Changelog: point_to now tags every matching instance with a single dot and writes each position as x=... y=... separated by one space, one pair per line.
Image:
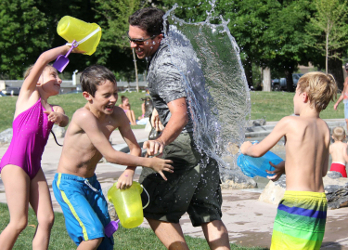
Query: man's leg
x=347 y=124
x=216 y=235
x=170 y=234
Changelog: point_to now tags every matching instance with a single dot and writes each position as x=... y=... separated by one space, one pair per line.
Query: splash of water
x=208 y=59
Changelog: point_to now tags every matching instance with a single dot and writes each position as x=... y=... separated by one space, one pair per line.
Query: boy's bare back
x=338 y=152
x=307 y=136
x=80 y=155
x=307 y=154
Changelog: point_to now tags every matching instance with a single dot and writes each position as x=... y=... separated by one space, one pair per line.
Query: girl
x=20 y=167
x=125 y=105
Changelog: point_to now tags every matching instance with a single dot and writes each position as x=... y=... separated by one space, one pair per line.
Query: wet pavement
x=248 y=220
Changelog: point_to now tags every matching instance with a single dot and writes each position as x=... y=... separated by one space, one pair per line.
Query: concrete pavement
x=249 y=221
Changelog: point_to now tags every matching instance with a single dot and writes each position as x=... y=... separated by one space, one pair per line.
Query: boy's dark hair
x=93 y=76
x=149 y=19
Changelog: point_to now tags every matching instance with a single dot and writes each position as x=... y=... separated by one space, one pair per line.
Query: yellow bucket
x=128 y=205
x=87 y=35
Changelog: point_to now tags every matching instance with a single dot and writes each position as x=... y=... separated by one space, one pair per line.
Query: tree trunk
x=135 y=69
x=289 y=81
x=266 y=86
x=248 y=72
x=335 y=68
x=327 y=50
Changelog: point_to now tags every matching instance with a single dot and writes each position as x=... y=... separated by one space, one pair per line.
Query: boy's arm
x=126 y=178
x=259 y=149
x=345 y=155
x=90 y=125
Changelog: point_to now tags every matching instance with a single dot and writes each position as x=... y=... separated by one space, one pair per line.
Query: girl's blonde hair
x=28 y=70
x=338 y=134
x=320 y=87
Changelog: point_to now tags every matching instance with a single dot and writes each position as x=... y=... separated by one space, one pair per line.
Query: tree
x=285 y=40
x=328 y=28
x=115 y=46
x=22 y=38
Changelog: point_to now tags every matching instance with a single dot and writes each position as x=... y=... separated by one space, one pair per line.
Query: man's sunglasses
x=139 y=41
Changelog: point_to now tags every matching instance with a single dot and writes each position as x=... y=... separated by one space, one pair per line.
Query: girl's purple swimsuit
x=31 y=129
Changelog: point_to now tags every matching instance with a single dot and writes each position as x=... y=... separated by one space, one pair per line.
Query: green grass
x=69 y=102
x=271 y=106
x=125 y=239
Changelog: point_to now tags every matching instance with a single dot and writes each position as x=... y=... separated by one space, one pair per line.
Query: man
x=344 y=97
x=191 y=188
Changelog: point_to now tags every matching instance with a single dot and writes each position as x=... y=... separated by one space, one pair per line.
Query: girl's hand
x=55 y=117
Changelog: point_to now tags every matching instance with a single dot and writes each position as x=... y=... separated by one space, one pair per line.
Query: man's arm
x=176 y=123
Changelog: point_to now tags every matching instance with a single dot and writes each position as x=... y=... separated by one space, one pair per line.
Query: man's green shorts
x=192 y=188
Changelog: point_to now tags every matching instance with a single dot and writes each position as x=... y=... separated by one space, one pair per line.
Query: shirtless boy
x=301 y=216
x=338 y=151
x=75 y=185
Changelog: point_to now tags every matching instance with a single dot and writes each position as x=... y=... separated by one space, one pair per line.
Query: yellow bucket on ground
x=128 y=205
x=86 y=34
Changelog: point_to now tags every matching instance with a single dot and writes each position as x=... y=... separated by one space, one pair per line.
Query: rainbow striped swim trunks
x=300 y=221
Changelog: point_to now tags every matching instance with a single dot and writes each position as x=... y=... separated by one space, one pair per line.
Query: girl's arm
x=58 y=116
x=29 y=84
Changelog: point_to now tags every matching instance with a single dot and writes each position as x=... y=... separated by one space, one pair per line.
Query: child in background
x=338 y=151
x=125 y=105
x=75 y=186
x=301 y=217
x=20 y=167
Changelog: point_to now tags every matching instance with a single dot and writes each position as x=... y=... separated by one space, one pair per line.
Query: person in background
x=125 y=105
x=338 y=151
x=344 y=97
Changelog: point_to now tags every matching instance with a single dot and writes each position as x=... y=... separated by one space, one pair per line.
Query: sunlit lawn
x=125 y=239
x=271 y=106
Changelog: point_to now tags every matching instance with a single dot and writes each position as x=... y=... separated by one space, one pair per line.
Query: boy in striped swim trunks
x=301 y=217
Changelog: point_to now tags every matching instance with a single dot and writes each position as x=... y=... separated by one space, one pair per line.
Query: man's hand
x=154 y=147
x=155 y=121
x=335 y=106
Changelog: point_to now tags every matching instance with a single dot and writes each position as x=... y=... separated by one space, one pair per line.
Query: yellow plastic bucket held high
x=87 y=35
x=128 y=205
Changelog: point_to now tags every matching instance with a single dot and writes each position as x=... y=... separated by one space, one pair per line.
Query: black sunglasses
x=139 y=41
